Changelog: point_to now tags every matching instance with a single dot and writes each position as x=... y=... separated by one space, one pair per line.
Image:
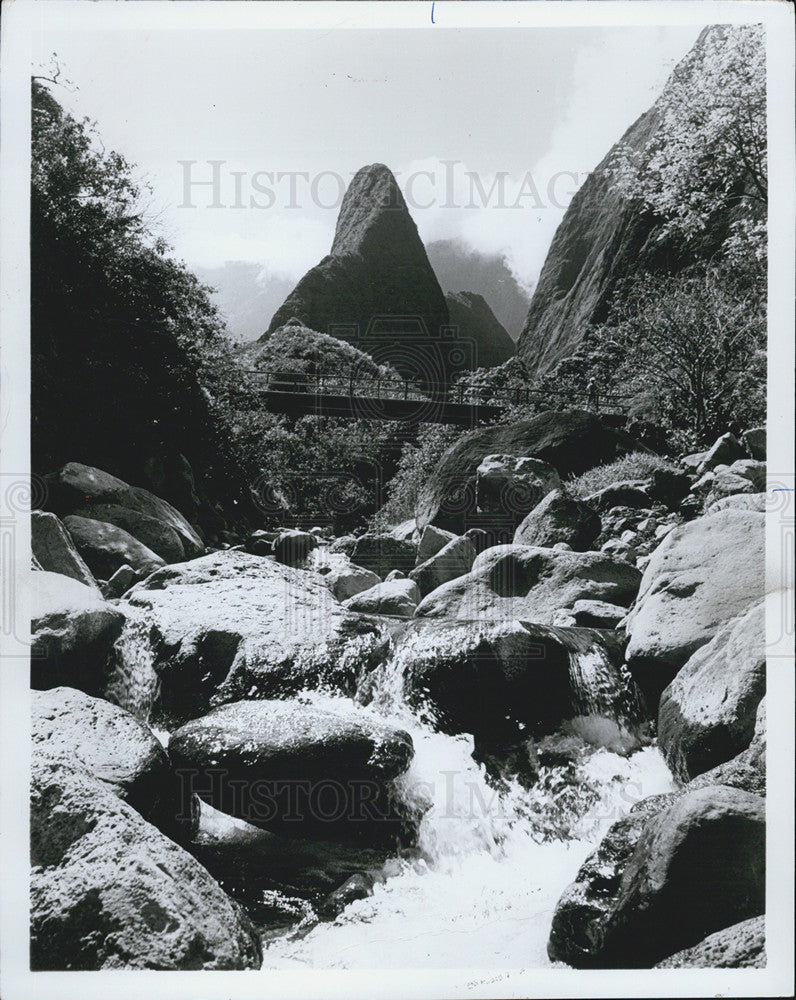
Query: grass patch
x=636 y=465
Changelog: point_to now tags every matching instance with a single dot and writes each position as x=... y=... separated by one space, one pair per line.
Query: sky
x=490 y=131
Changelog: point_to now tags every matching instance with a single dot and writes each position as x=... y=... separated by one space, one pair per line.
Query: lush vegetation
x=636 y=465
x=129 y=358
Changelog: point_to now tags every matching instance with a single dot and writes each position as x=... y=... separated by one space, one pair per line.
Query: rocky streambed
x=434 y=746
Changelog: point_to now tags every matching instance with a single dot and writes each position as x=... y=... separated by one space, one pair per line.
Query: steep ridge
x=376 y=288
x=603 y=240
x=484 y=339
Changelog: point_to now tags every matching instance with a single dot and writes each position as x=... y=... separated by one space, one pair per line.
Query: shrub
x=636 y=465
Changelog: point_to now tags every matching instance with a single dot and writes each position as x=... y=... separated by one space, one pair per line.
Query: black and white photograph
x=397 y=530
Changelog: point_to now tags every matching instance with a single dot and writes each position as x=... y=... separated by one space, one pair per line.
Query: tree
x=691 y=345
x=129 y=356
x=708 y=154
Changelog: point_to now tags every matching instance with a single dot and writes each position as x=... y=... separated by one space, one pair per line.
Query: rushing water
x=490 y=864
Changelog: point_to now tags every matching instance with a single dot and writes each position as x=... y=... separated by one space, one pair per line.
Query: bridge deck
x=420 y=411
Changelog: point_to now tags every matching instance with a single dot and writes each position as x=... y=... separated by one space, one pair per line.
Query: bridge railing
x=355 y=384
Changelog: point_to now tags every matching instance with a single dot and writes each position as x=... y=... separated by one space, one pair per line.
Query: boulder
x=346 y=581
x=431 y=541
x=105 y=547
x=231 y=625
x=398 y=598
x=571 y=441
x=703 y=573
x=122 y=580
x=54 y=550
x=747 y=771
x=620 y=550
x=754 y=441
x=156 y=535
x=109 y=891
x=395 y=574
x=511 y=485
x=743 y=476
x=290 y=766
x=740 y=501
x=742 y=946
x=73 y=630
x=260 y=542
x=530 y=583
x=451 y=562
x=291 y=548
x=597 y=614
x=479 y=537
x=669 y=487
x=559 y=517
x=697 y=865
x=630 y=493
x=723 y=451
x=707 y=714
x=494 y=679
x=78 y=486
x=111 y=744
x=382 y=553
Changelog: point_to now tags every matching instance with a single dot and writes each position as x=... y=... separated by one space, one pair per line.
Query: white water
x=492 y=868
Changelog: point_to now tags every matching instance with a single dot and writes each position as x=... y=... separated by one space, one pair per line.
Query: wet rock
x=492 y=679
x=291 y=548
x=513 y=485
x=109 y=891
x=530 y=583
x=707 y=714
x=742 y=946
x=452 y=561
x=358 y=886
x=704 y=573
x=294 y=767
x=80 y=486
x=112 y=745
x=231 y=625
x=394 y=597
x=106 y=548
x=72 y=630
x=559 y=517
x=54 y=550
x=382 y=553
x=697 y=866
x=349 y=580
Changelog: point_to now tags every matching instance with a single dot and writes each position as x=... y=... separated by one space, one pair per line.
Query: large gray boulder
x=73 y=631
x=109 y=891
x=754 y=441
x=747 y=771
x=742 y=946
x=348 y=580
x=451 y=562
x=704 y=573
x=560 y=517
x=431 y=541
x=54 y=550
x=106 y=548
x=697 y=866
x=398 y=598
x=231 y=625
x=111 y=744
x=530 y=584
x=382 y=553
x=156 y=535
x=511 y=485
x=494 y=679
x=707 y=714
x=292 y=547
x=723 y=451
x=295 y=767
x=739 y=501
x=80 y=486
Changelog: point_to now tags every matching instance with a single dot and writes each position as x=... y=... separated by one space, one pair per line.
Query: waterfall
x=132 y=681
